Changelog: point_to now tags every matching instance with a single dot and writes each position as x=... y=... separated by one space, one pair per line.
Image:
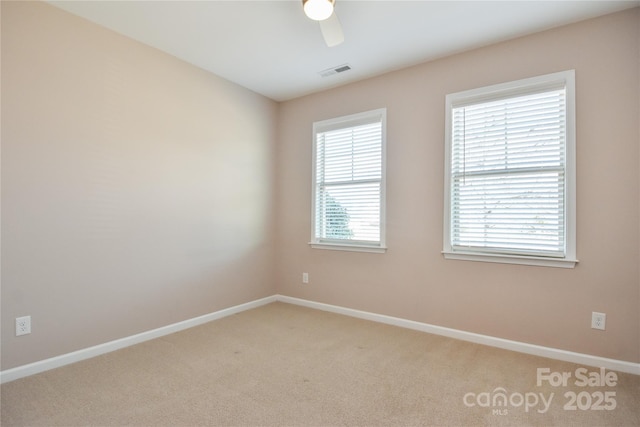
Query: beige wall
x=545 y=306
x=136 y=189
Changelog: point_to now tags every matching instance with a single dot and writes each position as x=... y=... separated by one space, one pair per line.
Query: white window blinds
x=349 y=180
x=508 y=169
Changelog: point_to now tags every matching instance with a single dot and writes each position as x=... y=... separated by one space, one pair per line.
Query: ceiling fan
x=323 y=12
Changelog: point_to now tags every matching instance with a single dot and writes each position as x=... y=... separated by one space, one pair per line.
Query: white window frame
x=343 y=123
x=501 y=91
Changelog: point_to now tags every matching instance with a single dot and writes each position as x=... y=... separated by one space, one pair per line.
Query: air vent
x=335 y=70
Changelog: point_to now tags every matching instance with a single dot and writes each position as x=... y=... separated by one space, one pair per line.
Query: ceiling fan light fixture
x=318 y=10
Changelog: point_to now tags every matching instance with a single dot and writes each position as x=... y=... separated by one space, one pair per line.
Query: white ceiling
x=272 y=48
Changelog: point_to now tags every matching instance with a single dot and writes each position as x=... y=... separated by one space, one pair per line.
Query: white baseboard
x=86 y=353
x=552 y=353
x=521 y=347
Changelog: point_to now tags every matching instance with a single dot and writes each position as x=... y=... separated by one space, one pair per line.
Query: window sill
x=350 y=248
x=512 y=259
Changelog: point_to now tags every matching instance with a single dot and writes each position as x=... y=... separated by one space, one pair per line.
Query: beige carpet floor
x=284 y=365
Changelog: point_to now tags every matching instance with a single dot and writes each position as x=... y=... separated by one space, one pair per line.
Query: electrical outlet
x=23 y=325
x=305 y=277
x=598 y=320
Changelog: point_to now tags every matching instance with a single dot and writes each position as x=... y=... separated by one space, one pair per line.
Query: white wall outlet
x=598 y=320
x=23 y=325
x=305 y=277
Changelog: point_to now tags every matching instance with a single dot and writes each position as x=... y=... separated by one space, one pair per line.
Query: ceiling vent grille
x=335 y=70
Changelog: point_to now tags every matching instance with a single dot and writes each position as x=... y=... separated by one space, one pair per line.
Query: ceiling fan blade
x=332 y=30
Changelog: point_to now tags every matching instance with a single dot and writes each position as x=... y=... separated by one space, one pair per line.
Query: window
x=510 y=172
x=349 y=182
